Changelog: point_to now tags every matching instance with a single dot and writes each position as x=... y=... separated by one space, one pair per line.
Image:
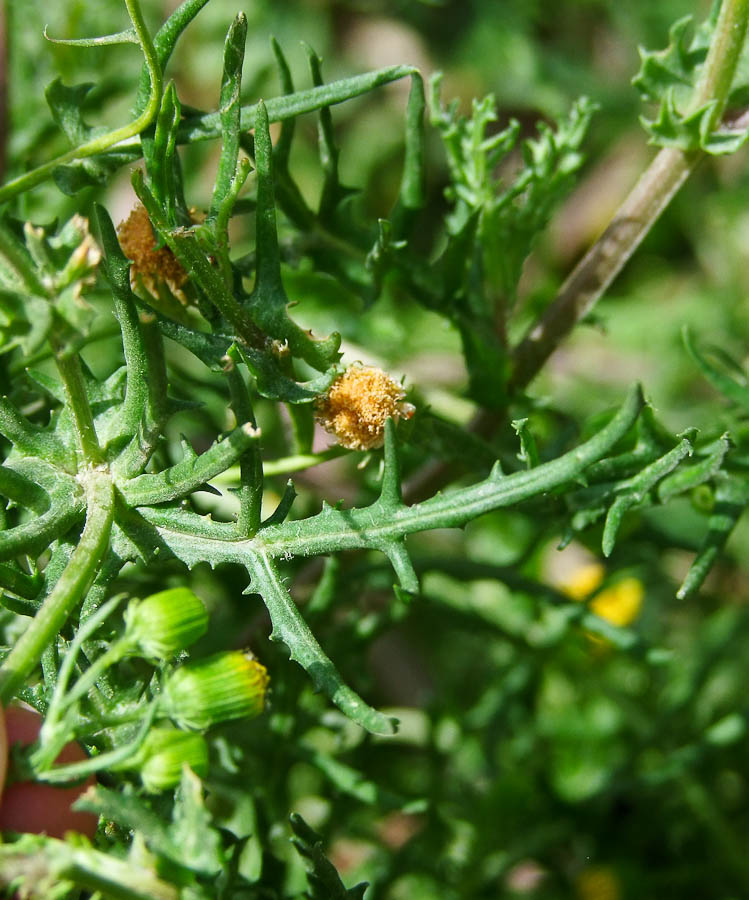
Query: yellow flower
x=584 y=581
x=619 y=604
x=357 y=405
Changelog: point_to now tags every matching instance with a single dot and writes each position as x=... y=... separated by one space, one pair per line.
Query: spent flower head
x=357 y=405
x=151 y=265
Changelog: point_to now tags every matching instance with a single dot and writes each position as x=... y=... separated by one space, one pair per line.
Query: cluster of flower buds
x=196 y=695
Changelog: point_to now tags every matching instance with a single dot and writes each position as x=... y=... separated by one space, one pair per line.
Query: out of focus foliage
x=568 y=727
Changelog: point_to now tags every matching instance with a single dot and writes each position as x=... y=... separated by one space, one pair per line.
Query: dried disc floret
x=151 y=265
x=357 y=405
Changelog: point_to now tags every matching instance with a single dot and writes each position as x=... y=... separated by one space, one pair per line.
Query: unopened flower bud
x=164 y=753
x=165 y=623
x=226 y=686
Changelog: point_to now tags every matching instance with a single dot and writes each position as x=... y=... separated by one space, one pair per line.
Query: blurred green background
x=534 y=760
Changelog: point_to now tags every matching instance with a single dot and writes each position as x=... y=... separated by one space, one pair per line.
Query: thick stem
x=70 y=588
x=636 y=216
x=603 y=262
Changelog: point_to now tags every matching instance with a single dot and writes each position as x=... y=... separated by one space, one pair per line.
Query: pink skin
x=28 y=806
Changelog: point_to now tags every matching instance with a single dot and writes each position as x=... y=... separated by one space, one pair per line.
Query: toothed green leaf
x=268 y=302
x=731 y=500
x=229 y=109
x=324 y=881
x=632 y=492
x=670 y=77
x=187 y=476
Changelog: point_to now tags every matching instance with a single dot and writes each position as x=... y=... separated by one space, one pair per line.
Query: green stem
x=285 y=465
x=722 y=57
x=109 y=760
x=379 y=525
x=69 y=367
x=39 y=859
x=223 y=216
x=206 y=127
x=70 y=588
x=104 y=141
x=250 y=463
x=53 y=736
x=639 y=211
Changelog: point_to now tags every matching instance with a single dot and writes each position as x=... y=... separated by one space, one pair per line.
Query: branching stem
x=639 y=211
x=70 y=588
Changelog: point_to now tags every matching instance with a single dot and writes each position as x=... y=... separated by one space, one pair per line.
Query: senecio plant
x=109 y=546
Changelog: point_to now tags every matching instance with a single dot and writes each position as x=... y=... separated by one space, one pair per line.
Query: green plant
x=105 y=501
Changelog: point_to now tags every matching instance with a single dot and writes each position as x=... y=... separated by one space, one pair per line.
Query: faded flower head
x=150 y=265
x=357 y=405
x=75 y=252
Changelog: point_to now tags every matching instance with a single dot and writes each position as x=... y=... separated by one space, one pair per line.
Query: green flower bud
x=226 y=686
x=164 y=753
x=165 y=623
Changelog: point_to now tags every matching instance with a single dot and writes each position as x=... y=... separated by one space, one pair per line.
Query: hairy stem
x=69 y=589
x=380 y=526
x=639 y=211
x=250 y=463
x=69 y=367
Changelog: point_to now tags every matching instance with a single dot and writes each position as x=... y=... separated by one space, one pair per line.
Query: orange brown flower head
x=150 y=265
x=357 y=405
